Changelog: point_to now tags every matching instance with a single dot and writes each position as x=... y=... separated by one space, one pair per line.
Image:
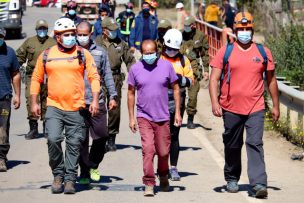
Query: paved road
x=201 y=161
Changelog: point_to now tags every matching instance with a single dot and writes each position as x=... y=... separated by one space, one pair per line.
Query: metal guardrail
x=291 y=98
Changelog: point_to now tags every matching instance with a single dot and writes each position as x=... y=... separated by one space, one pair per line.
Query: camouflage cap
x=41 y=23
x=189 y=20
x=109 y=23
x=2 y=31
x=164 y=24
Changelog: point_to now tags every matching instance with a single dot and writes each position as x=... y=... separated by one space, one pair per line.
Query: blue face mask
x=187 y=29
x=68 y=42
x=129 y=10
x=72 y=12
x=244 y=36
x=149 y=58
x=1 y=41
x=112 y=34
x=146 y=10
x=42 y=33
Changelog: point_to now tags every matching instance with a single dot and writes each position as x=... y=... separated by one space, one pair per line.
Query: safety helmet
x=63 y=25
x=173 y=39
x=243 y=20
x=154 y=4
x=164 y=23
x=41 y=23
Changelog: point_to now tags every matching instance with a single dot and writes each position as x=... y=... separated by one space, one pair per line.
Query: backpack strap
x=227 y=54
x=45 y=57
x=264 y=55
x=81 y=56
x=182 y=59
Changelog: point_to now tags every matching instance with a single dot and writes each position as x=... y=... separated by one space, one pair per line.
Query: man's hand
x=35 y=109
x=132 y=50
x=133 y=125
x=16 y=102
x=217 y=110
x=177 y=119
x=275 y=114
x=112 y=104
x=94 y=108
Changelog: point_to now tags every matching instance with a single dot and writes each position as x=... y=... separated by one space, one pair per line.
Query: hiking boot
x=174 y=176
x=3 y=167
x=260 y=191
x=232 y=186
x=84 y=181
x=111 y=147
x=33 y=133
x=190 y=124
x=164 y=184
x=69 y=188
x=94 y=175
x=149 y=191
x=57 y=185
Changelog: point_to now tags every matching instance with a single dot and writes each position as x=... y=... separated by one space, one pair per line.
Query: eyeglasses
x=170 y=49
x=82 y=35
x=69 y=34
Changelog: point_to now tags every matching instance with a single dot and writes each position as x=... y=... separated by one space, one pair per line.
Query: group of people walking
x=74 y=85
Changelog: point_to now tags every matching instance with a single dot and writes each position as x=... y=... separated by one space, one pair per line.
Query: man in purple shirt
x=152 y=77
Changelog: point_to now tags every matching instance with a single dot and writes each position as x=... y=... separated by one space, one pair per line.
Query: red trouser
x=155 y=139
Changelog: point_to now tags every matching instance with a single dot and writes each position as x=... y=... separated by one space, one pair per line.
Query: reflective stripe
x=127 y=31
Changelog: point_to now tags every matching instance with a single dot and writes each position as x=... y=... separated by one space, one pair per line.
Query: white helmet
x=179 y=5
x=173 y=39
x=63 y=25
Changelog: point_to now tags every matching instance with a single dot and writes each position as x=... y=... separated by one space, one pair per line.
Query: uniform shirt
x=152 y=82
x=31 y=49
x=8 y=65
x=244 y=94
x=65 y=79
x=103 y=67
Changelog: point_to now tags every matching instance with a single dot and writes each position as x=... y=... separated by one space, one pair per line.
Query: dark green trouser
x=192 y=101
x=72 y=122
x=43 y=97
x=5 y=113
x=114 y=115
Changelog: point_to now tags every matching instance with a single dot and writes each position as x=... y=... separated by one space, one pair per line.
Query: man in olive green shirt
x=195 y=47
x=118 y=52
x=29 y=52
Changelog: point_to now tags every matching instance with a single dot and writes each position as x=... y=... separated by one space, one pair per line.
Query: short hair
x=85 y=24
x=143 y=3
x=146 y=42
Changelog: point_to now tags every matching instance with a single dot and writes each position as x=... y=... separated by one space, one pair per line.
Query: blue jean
x=73 y=123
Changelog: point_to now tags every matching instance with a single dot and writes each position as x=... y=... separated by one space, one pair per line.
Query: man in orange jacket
x=65 y=65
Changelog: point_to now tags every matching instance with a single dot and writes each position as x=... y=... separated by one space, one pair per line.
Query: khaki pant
x=192 y=101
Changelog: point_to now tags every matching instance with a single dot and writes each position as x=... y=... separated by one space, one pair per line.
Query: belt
x=5 y=98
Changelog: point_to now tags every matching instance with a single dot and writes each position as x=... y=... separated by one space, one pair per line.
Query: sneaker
x=260 y=191
x=69 y=188
x=149 y=191
x=174 y=176
x=164 y=184
x=232 y=186
x=94 y=174
x=84 y=181
x=57 y=185
x=3 y=167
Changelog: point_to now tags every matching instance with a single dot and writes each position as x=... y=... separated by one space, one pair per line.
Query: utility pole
x=192 y=7
x=139 y=4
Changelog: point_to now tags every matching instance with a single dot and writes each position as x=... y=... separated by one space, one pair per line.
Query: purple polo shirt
x=152 y=83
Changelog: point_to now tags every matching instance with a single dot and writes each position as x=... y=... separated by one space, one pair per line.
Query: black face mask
x=146 y=11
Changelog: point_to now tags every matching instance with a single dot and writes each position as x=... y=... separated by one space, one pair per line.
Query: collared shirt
x=103 y=67
x=8 y=65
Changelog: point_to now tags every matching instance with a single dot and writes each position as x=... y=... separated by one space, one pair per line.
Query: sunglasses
x=82 y=35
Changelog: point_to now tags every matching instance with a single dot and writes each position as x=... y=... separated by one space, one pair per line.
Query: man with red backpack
x=240 y=68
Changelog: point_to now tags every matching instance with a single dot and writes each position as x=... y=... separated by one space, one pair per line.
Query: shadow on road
x=189 y=148
x=157 y=189
x=123 y=146
x=197 y=125
x=186 y=174
x=40 y=135
x=13 y=163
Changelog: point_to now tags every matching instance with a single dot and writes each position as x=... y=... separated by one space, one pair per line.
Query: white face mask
x=83 y=40
x=244 y=36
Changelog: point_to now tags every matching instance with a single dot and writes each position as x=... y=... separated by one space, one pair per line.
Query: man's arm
x=274 y=93
x=213 y=86
x=128 y=57
x=16 y=80
x=21 y=53
x=176 y=95
x=131 y=104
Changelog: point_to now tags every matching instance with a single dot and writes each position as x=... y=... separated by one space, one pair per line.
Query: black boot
x=111 y=147
x=190 y=124
x=33 y=133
